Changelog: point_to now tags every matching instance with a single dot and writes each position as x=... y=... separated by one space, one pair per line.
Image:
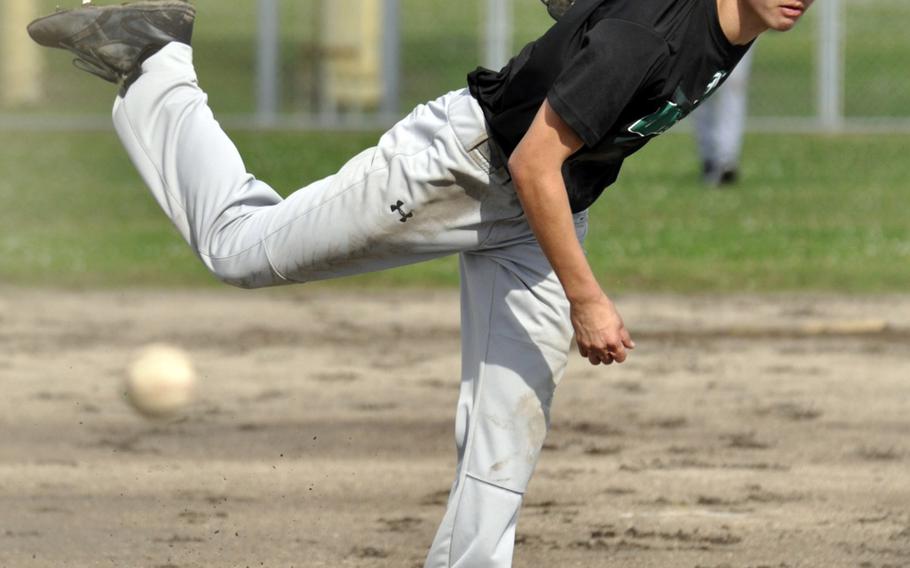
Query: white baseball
x=160 y=381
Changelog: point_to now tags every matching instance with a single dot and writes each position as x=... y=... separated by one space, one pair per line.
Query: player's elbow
x=529 y=172
x=521 y=168
x=516 y=166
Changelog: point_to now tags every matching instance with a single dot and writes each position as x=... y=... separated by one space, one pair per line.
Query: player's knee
x=243 y=276
x=236 y=280
x=247 y=268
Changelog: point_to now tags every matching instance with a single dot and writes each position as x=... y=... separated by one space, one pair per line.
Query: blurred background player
x=720 y=124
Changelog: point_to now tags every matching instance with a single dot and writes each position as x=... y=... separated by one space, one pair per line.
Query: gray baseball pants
x=431 y=187
x=721 y=120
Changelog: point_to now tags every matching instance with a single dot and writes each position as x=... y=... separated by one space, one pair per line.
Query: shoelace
x=96 y=70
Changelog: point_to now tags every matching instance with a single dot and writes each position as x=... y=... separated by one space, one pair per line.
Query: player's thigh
x=517 y=336
x=418 y=194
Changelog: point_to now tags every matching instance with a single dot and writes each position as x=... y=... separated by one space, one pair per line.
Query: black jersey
x=618 y=72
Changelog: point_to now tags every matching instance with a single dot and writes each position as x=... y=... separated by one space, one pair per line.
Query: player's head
x=780 y=15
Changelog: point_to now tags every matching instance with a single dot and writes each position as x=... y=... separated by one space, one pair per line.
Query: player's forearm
x=543 y=196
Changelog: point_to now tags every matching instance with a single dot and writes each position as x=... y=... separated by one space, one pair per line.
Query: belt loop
x=499 y=163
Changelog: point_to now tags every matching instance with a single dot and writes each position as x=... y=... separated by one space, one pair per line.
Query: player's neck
x=740 y=23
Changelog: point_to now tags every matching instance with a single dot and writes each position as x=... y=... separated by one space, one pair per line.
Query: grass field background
x=441 y=42
x=813 y=212
x=819 y=213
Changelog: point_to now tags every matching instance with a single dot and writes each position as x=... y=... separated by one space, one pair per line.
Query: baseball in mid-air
x=160 y=381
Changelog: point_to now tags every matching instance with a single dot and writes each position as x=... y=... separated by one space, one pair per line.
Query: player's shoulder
x=626 y=37
x=660 y=18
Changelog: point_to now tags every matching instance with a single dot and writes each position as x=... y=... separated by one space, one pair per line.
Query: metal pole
x=831 y=65
x=267 y=67
x=498 y=33
x=391 y=58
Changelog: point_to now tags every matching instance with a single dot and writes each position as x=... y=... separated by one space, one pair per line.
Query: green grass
x=813 y=213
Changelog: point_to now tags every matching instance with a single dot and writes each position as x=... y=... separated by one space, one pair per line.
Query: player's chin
x=783 y=23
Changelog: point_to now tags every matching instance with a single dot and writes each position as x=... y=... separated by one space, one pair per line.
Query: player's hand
x=601 y=335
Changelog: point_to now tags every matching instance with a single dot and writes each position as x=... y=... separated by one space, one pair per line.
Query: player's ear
x=558 y=8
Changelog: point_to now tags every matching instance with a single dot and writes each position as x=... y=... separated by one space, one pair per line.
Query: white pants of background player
x=429 y=188
x=721 y=120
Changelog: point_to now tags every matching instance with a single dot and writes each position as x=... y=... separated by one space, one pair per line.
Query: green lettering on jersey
x=658 y=122
x=673 y=111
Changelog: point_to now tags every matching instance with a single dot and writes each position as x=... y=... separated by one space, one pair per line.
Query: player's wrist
x=585 y=293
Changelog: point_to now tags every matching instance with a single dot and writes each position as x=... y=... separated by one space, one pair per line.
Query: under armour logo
x=405 y=215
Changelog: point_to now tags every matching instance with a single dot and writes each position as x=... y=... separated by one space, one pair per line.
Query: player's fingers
x=582 y=350
x=627 y=339
x=594 y=358
x=617 y=352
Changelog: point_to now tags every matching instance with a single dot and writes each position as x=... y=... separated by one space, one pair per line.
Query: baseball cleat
x=714 y=175
x=113 y=41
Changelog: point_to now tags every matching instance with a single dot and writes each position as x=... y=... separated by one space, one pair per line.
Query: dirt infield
x=744 y=432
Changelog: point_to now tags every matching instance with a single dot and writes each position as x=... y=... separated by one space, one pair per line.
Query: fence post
x=267 y=66
x=391 y=59
x=498 y=33
x=22 y=62
x=831 y=65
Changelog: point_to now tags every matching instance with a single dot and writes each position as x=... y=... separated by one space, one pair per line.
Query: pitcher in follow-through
x=501 y=173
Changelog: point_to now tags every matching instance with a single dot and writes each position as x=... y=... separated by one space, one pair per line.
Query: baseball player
x=719 y=127
x=500 y=173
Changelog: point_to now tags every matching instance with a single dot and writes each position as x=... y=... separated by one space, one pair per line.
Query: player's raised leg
x=423 y=191
x=418 y=194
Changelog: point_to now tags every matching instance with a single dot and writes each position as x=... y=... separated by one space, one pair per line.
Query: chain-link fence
x=359 y=63
x=868 y=86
